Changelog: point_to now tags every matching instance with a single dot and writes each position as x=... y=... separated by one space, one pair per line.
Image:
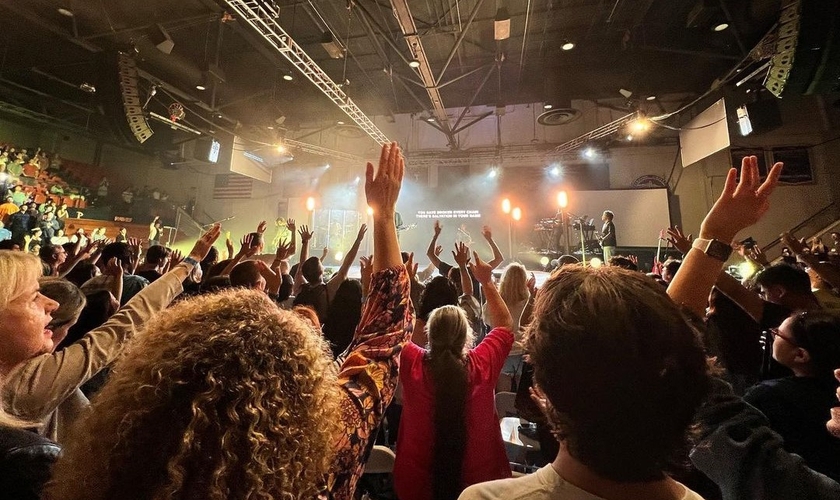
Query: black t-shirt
x=609 y=231
x=798 y=408
x=150 y=275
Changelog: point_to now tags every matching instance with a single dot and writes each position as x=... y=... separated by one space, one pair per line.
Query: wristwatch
x=190 y=260
x=713 y=248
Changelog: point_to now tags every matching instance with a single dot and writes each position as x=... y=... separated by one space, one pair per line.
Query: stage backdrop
x=639 y=213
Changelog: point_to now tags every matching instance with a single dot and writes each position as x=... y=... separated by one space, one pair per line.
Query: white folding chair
x=381 y=460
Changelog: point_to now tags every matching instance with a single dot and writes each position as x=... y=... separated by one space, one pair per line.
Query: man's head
x=784 y=285
x=53 y=255
x=312 y=270
x=607 y=216
x=157 y=255
x=119 y=250
x=669 y=269
x=9 y=199
x=622 y=370
x=247 y=275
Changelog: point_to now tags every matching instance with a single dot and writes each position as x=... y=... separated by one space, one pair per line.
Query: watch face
x=719 y=250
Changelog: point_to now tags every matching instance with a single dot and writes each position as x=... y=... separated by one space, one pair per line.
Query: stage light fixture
x=327 y=166
x=331 y=45
x=501 y=24
x=516 y=213
x=280 y=148
x=555 y=171
x=339 y=255
x=357 y=180
x=544 y=261
x=310 y=203
x=493 y=173
x=369 y=211
x=589 y=153
x=596 y=263
x=414 y=63
x=629 y=137
x=288 y=77
x=567 y=45
x=720 y=27
x=506 y=206
x=547 y=106
x=640 y=125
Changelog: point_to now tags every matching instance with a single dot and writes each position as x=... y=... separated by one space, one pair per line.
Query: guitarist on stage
x=607 y=238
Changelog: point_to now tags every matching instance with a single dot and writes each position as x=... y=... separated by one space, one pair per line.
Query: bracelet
x=190 y=260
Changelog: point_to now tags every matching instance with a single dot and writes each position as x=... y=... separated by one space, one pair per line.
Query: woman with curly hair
x=449 y=434
x=228 y=396
x=231 y=397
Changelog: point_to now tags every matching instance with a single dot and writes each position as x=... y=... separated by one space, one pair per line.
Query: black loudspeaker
x=807 y=56
x=131 y=98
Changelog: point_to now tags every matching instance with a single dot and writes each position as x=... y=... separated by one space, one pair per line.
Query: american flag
x=232 y=186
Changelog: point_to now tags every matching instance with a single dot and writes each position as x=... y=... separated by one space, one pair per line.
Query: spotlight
x=516 y=213
x=589 y=153
x=650 y=98
x=547 y=106
x=568 y=46
x=629 y=137
x=357 y=180
x=310 y=203
x=506 y=206
x=596 y=263
x=414 y=63
x=640 y=125
x=554 y=171
x=493 y=173
x=563 y=199
x=744 y=123
x=339 y=255
x=720 y=27
x=280 y=148
x=544 y=261
x=327 y=166
x=369 y=211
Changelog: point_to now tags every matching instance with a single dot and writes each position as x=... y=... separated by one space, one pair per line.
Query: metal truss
x=599 y=133
x=318 y=150
x=262 y=16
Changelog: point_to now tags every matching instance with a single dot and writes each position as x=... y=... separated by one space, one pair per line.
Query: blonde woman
x=43 y=386
x=514 y=290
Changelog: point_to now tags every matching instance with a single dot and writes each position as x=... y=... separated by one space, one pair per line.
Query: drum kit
x=548 y=234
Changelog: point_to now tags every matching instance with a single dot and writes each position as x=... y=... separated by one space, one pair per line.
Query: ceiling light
x=288 y=77
x=555 y=171
x=430 y=119
x=414 y=63
x=650 y=98
x=640 y=125
x=331 y=45
x=200 y=86
x=339 y=122
x=547 y=106
x=281 y=148
x=65 y=12
x=492 y=173
x=721 y=27
x=629 y=137
x=86 y=87
x=568 y=46
x=270 y=127
x=501 y=24
x=589 y=153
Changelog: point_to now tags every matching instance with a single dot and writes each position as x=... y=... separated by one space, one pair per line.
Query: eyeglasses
x=776 y=333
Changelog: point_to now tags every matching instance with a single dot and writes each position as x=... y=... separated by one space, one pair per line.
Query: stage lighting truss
x=262 y=17
x=599 y=133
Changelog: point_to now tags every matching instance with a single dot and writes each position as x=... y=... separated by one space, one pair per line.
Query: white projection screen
x=639 y=213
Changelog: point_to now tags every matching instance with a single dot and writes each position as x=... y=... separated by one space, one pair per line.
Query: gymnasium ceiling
x=647 y=47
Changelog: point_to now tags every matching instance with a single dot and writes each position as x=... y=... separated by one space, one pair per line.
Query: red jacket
x=484 y=458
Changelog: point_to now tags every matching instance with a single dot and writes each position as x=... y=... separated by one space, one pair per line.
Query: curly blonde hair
x=224 y=396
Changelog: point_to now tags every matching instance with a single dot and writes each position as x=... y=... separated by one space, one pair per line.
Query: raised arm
x=433 y=251
x=741 y=204
x=498 y=258
x=497 y=310
x=245 y=250
x=461 y=254
x=828 y=272
x=341 y=274
x=305 y=236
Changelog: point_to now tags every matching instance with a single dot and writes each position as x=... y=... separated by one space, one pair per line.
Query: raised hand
x=229 y=245
x=383 y=188
x=438 y=250
x=741 y=204
x=366 y=269
x=205 y=242
x=324 y=253
x=532 y=284
x=482 y=272
x=437 y=228
x=461 y=254
x=635 y=260
x=411 y=266
x=833 y=425
x=113 y=267
x=261 y=227
x=796 y=246
x=305 y=234
x=680 y=241
x=136 y=246
x=290 y=223
x=245 y=245
x=175 y=258
x=757 y=254
x=362 y=231
x=485 y=231
x=284 y=250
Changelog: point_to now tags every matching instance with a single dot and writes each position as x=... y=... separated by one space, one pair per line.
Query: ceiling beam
x=263 y=19
x=415 y=47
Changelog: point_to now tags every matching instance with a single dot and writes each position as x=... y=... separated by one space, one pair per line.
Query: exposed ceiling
x=650 y=47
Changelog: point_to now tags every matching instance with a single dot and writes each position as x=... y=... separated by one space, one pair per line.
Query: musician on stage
x=608 y=242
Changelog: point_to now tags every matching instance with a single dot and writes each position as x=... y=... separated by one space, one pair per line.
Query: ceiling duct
x=559 y=116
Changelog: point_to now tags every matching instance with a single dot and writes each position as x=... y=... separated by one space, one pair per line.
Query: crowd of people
x=145 y=374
